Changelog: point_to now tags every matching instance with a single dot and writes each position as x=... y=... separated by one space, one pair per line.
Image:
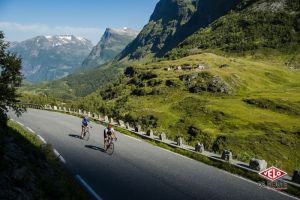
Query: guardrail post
x=54 y=107
x=179 y=141
x=296 y=176
x=106 y=118
x=150 y=133
x=258 y=165
x=89 y=114
x=163 y=137
x=199 y=147
x=227 y=156
x=111 y=120
x=137 y=128
x=127 y=125
x=121 y=123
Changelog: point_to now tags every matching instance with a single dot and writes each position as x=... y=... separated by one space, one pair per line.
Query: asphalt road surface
x=136 y=170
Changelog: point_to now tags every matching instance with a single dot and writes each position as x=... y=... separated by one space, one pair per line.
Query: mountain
x=112 y=43
x=171 y=22
x=51 y=57
x=252 y=25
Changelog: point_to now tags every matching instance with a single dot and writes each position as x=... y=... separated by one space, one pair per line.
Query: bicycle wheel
x=86 y=135
x=110 y=148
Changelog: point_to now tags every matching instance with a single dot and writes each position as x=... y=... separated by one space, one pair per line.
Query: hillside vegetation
x=249 y=105
x=273 y=24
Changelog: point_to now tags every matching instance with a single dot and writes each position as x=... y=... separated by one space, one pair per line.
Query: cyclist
x=84 y=125
x=109 y=132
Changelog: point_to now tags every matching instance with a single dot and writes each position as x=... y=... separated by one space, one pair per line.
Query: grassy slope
x=220 y=120
x=54 y=184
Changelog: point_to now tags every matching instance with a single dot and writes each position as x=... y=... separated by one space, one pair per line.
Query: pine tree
x=10 y=80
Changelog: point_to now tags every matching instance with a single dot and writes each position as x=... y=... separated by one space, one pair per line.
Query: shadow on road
x=75 y=136
x=94 y=148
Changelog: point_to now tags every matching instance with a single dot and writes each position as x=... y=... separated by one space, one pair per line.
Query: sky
x=24 y=19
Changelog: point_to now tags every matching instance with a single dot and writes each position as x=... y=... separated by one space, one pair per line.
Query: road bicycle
x=109 y=144
x=86 y=133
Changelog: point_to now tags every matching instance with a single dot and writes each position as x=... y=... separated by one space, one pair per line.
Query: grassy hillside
x=76 y=85
x=256 y=25
x=247 y=104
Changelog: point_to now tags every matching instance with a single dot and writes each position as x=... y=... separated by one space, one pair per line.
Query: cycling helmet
x=109 y=125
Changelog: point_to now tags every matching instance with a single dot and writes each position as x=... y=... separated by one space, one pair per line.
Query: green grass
x=218 y=120
x=47 y=184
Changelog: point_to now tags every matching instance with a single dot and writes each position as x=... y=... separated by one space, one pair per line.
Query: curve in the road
x=137 y=170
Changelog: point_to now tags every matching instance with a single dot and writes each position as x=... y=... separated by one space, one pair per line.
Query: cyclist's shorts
x=85 y=125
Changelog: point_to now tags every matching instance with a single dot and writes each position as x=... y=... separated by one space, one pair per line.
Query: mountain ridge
x=51 y=57
x=112 y=42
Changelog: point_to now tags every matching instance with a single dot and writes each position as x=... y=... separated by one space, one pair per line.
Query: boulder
x=201 y=67
x=106 y=118
x=227 y=155
x=54 y=107
x=258 y=165
x=296 y=176
x=224 y=66
x=163 y=137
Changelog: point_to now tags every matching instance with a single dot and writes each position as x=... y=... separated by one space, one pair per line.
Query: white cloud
x=91 y=33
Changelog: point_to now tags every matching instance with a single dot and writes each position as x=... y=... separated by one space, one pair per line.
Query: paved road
x=137 y=170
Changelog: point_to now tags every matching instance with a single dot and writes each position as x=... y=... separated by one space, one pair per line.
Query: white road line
x=30 y=129
x=132 y=137
x=91 y=191
x=62 y=159
x=42 y=139
x=56 y=152
x=177 y=154
x=59 y=156
x=20 y=123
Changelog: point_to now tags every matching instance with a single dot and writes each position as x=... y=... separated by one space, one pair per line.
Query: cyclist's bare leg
x=82 y=131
